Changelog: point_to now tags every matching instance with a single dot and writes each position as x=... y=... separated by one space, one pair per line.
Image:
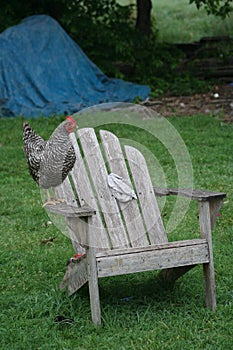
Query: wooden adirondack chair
x=121 y=238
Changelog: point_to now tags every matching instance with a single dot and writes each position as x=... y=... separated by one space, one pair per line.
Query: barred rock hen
x=50 y=161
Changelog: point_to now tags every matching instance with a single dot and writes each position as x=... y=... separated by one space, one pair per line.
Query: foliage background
x=106 y=31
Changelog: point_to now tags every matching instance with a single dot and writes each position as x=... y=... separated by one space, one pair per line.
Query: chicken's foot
x=53 y=201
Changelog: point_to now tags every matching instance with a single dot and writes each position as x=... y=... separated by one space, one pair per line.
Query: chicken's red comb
x=68 y=117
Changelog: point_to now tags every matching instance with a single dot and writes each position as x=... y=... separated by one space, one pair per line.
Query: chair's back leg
x=209 y=279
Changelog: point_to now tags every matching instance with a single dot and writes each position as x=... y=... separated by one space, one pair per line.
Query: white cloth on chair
x=120 y=189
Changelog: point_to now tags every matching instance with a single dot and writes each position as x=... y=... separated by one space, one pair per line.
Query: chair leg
x=93 y=286
x=172 y=274
x=209 y=280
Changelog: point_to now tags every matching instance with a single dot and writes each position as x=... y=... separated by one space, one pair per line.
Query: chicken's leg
x=52 y=200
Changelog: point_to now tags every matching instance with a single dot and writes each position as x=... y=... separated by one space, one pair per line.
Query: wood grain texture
x=209 y=278
x=130 y=211
x=86 y=196
x=167 y=245
x=215 y=206
x=145 y=193
x=199 y=195
x=75 y=276
x=98 y=173
x=93 y=279
x=65 y=191
x=156 y=259
x=70 y=211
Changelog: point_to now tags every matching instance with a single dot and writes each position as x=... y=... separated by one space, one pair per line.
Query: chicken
x=50 y=161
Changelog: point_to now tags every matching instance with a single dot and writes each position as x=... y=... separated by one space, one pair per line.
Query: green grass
x=154 y=317
x=179 y=22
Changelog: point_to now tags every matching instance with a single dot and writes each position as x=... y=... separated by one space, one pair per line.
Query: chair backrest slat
x=98 y=175
x=145 y=192
x=130 y=210
x=86 y=196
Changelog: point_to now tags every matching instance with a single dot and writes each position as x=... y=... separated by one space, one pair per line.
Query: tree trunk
x=143 y=22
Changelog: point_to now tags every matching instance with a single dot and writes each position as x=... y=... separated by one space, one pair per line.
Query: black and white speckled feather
x=49 y=162
x=33 y=148
x=57 y=160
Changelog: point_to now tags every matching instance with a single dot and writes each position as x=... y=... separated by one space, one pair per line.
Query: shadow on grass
x=134 y=294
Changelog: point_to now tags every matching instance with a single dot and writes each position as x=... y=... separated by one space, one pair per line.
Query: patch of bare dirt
x=217 y=102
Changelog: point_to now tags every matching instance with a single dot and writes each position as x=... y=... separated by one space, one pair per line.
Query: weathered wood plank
x=65 y=191
x=75 y=276
x=98 y=174
x=153 y=260
x=78 y=233
x=69 y=210
x=215 y=206
x=199 y=195
x=86 y=196
x=145 y=193
x=209 y=278
x=167 y=245
x=130 y=211
x=93 y=279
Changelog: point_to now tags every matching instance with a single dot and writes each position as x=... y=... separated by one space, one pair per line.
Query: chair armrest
x=198 y=195
x=69 y=210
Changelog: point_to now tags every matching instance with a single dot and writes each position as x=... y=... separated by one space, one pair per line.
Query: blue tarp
x=44 y=72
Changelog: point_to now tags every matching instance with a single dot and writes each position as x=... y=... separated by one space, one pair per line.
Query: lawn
x=180 y=22
x=177 y=21
x=138 y=313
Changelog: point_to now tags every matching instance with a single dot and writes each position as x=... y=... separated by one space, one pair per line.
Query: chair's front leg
x=205 y=228
x=93 y=280
x=215 y=206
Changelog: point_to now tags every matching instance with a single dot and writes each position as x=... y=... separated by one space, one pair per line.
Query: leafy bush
x=103 y=29
x=216 y=7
